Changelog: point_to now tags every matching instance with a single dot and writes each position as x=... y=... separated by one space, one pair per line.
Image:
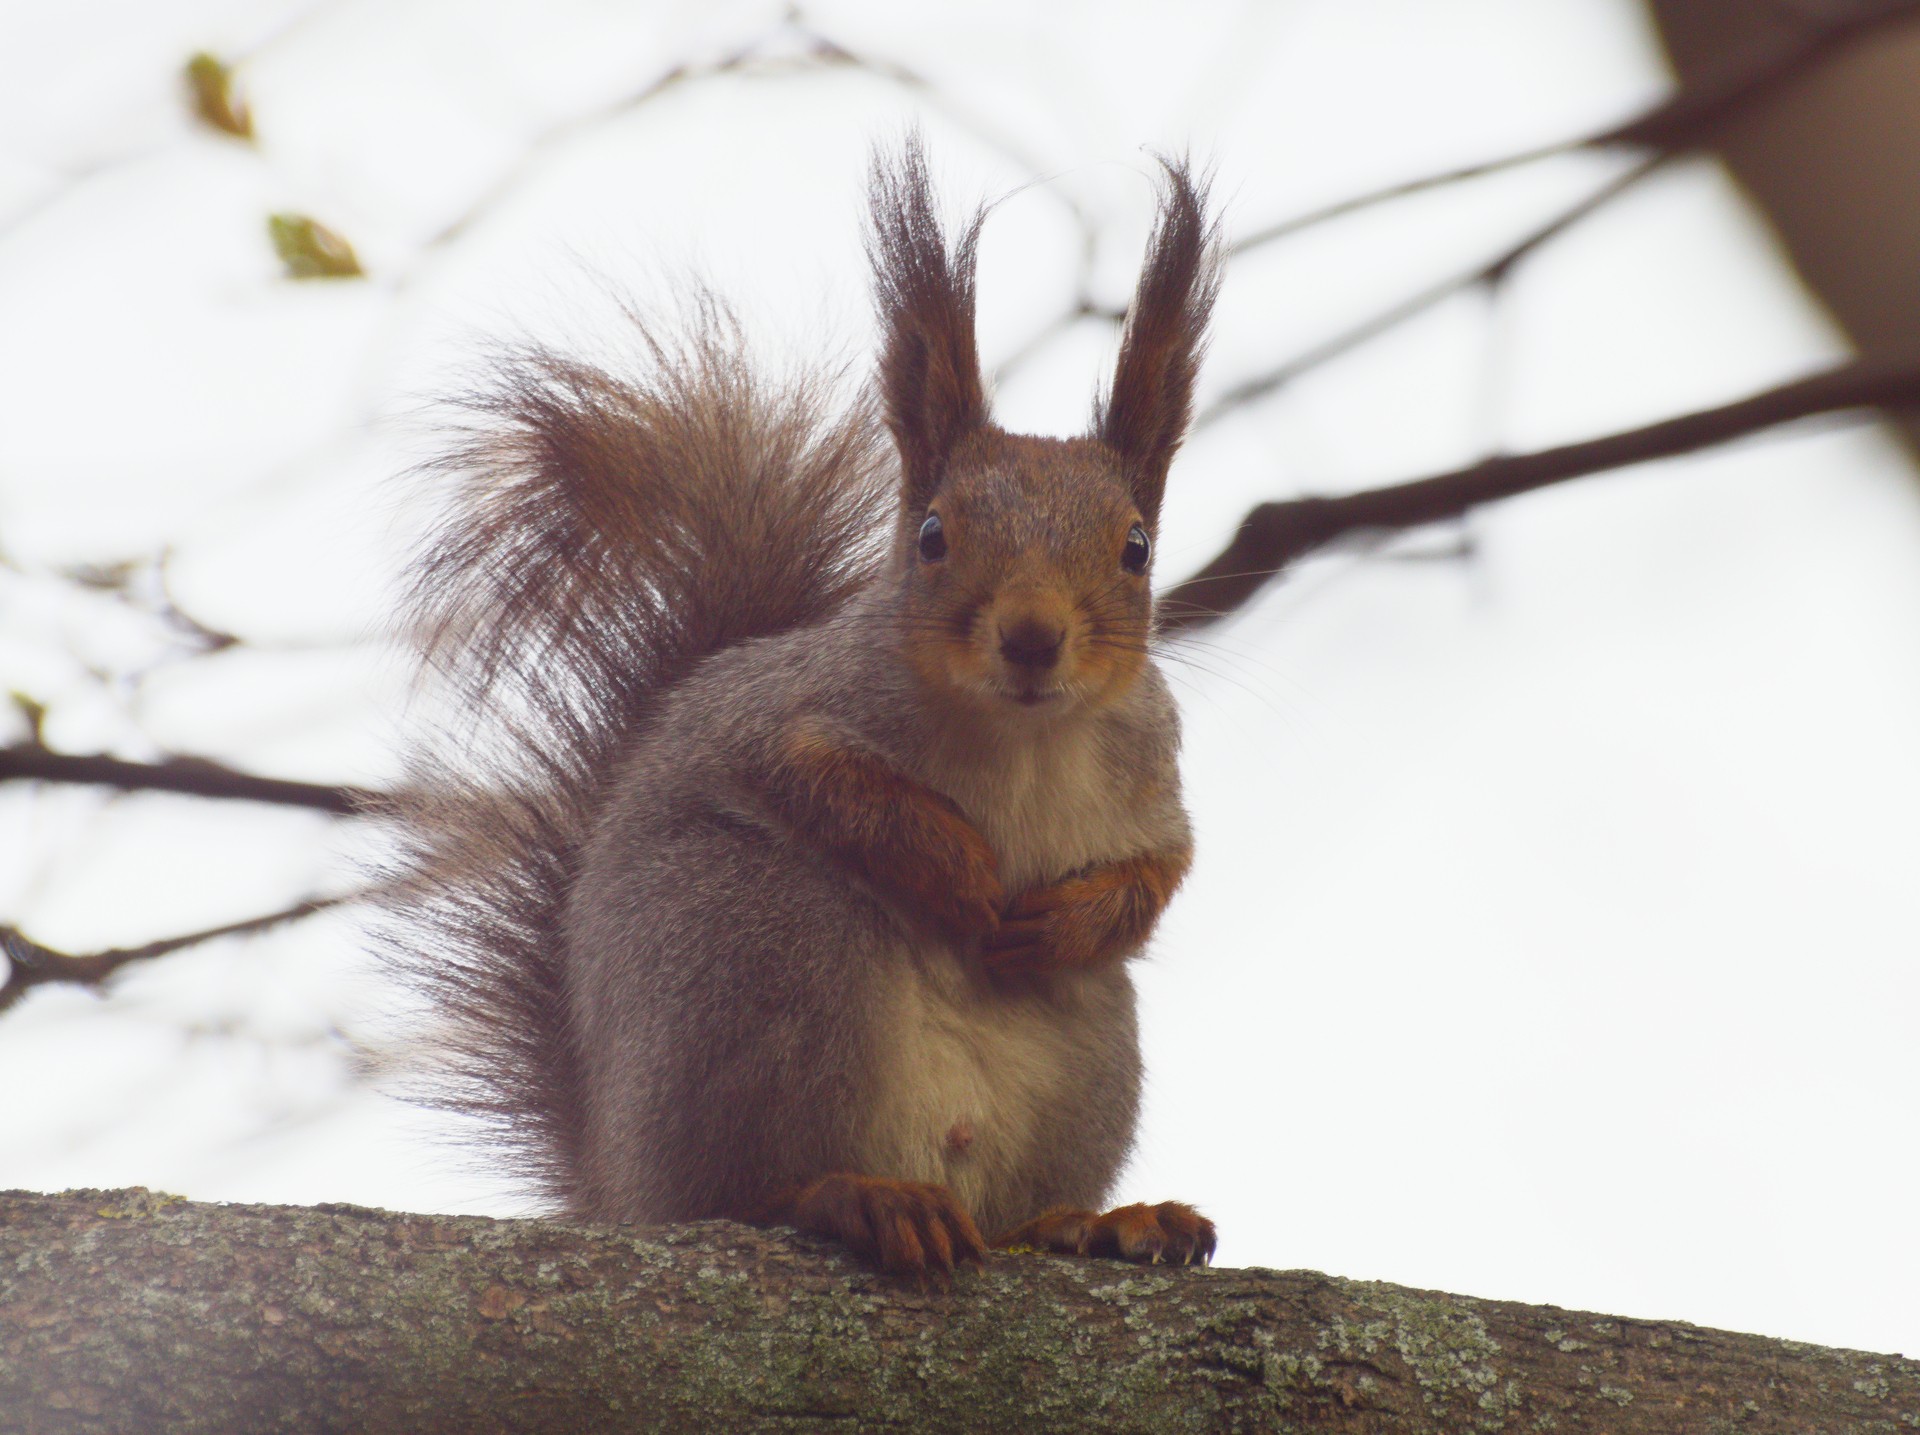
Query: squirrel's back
x=603 y=534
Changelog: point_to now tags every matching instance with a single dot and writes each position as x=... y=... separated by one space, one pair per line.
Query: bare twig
x=1405 y=189
x=758 y=56
x=193 y=776
x=1276 y=534
x=32 y=964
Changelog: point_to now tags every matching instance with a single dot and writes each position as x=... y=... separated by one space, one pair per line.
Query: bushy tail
x=604 y=534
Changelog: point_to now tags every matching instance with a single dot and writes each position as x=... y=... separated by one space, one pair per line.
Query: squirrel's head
x=1026 y=563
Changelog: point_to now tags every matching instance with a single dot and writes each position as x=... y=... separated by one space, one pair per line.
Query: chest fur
x=1048 y=804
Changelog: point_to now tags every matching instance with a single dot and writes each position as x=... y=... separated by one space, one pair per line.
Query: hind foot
x=1171 y=1232
x=906 y=1228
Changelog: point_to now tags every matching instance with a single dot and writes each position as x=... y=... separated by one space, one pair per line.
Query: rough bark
x=129 y=1311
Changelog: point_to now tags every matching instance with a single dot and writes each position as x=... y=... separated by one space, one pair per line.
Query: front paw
x=1049 y=928
x=965 y=896
x=1171 y=1232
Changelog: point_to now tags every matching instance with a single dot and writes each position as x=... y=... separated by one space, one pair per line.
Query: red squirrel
x=811 y=791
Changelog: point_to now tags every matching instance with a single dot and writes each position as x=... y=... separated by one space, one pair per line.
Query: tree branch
x=30 y=964
x=193 y=776
x=124 y=1311
x=1276 y=534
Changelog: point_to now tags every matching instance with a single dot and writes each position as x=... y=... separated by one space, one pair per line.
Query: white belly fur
x=964 y=1058
x=966 y=1079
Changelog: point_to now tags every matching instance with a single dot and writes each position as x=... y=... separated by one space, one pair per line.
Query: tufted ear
x=1144 y=416
x=930 y=387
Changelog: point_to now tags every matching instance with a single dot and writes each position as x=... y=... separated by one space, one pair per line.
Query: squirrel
x=804 y=780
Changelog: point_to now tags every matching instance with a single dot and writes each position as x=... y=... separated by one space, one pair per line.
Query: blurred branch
x=1678 y=122
x=1274 y=535
x=745 y=57
x=1685 y=118
x=1492 y=271
x=193 y=776
x=760 y=55
x=30 y=964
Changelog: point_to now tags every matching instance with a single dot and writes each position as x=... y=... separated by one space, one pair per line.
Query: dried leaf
x=33 y=711
x=310 y=250
x=215 y=103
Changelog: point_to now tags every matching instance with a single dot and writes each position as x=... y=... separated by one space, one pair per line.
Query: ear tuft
x=1144 y=416
x=930 y=386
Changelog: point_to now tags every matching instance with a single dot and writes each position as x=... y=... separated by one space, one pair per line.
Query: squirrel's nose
x=1031 y=643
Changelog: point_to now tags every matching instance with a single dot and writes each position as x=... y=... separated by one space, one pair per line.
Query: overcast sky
x=1552 y=934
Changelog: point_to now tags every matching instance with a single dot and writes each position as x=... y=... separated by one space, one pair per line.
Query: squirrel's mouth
x=1028 y=697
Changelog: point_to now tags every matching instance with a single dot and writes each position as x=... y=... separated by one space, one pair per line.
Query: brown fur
x=709 y=869
x=904 y=838
x=929 y=366
x=1145 y=414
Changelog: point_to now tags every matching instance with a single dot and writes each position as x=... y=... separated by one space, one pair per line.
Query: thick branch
x=194 y=776
x=32 y=964
x=122 y=1311
x=1276 y=534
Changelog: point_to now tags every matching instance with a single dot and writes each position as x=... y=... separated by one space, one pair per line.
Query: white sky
x=1553 y=930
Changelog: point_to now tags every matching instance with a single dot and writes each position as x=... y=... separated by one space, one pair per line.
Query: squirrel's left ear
x=1145 y=414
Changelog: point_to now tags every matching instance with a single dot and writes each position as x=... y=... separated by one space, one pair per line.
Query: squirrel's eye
x=933 y=539
x=1139 y=549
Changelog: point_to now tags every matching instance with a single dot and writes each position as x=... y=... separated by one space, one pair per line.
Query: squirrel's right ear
x=930 y=385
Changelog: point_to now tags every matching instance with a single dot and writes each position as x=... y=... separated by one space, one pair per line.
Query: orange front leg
x=1088 y=919
x=911 y=843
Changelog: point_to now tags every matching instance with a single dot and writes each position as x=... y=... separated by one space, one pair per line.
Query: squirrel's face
x=1025 y=560
x=1026 y=577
